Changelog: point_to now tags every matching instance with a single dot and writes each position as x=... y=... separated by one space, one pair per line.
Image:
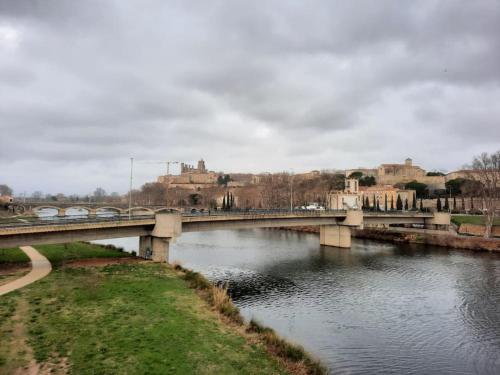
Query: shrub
x=222 y=303
x=286 y=350
x=196 y=280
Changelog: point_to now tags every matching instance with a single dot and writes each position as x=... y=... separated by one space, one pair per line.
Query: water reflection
x=377 y=308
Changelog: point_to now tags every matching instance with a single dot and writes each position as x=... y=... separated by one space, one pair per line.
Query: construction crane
x=167 y=163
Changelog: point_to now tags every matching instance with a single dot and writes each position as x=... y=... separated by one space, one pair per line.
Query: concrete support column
x=335 y=235
x=61 y=212
x=160 y=247
x=145 y=247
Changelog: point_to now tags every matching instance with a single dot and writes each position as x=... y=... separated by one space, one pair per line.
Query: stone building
x=191 y=178
x=353 y=196
x=392 y=174
x=349 y=198
x=5 y=199
x=379 y=192
x=201 y=169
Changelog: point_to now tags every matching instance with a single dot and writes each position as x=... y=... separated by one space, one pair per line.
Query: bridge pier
x=440 y=220
x=154 y=248
x=145 y=247
x=61 y=212
x=160 y=249
x=335 y=235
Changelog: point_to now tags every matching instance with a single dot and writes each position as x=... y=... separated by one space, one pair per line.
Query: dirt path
x=40 y=267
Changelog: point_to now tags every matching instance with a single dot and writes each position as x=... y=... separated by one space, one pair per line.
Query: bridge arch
x=166 y=210
x=139 y=209
x=88 y=210
x=38 y=209
x=103 y=210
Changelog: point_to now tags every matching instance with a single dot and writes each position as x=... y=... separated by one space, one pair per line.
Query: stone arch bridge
x=89 y=210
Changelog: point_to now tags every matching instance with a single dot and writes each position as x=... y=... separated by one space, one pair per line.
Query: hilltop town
x=382 y=186
x=198 y=186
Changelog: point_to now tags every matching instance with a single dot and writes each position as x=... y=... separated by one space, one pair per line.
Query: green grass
x=60 y=253
x=132 y=319
x=14 y=255
x=471 y=219
x=7 y=310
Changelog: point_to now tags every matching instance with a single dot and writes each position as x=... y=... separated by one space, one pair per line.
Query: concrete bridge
x=157 y=230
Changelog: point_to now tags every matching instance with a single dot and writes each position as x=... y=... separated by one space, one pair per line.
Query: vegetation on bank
x=471 y=219
x=60 y=253
x=126 y=318
x=293 y=356
x=12 y=256
x=134 y=318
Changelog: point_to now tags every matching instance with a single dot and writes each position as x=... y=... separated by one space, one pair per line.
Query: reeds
x=286 y=350
x=223 y=303
x=292 y=355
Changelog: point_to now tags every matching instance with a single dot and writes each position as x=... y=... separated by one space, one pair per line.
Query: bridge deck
x=85 y=229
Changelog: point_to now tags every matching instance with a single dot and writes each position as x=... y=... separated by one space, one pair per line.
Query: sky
x=248 y=86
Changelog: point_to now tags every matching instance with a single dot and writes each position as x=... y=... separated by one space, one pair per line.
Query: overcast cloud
x=248 y=86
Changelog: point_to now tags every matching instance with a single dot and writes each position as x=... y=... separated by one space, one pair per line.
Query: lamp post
x=291 y=190
x=130 y=188
x=449 y=203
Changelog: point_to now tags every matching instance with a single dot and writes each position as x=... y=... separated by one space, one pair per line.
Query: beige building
x=5 y=199
x=379 y=192
x=191 y=178
x=349 y=198
x=392 y=174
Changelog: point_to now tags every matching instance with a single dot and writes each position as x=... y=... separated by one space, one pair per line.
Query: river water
x=377 y=308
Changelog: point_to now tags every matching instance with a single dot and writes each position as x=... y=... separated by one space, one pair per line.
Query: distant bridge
x=156 y=229
x=89 y=209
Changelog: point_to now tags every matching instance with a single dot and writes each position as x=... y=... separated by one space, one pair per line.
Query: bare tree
x=5 y=190
x=99 y=194
x=37 y=195
x=275 y=190
x=486 y=171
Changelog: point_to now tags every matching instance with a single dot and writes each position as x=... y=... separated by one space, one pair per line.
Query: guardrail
x=55 y=220
x=263 y=212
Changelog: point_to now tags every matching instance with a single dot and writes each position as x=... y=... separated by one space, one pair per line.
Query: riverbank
x=425 y=237
x=128 y=317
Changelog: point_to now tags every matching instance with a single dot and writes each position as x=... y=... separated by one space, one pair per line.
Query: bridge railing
x=254 y=212
x=54 y=220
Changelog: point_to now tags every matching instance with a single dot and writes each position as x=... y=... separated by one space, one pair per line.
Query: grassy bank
x=134 y=318
x=291 y=355
x=60 y=253
x=124 y=319
x=471 y=219
x=12 y=256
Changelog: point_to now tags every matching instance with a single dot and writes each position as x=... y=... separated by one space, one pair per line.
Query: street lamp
x=130 y=188
x=291 y=190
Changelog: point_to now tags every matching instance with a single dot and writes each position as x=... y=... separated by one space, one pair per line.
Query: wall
x=478 y=230
x=457 y=242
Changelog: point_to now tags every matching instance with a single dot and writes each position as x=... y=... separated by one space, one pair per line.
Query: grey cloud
x=248 y=86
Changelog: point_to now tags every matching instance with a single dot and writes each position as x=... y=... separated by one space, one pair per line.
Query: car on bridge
x=313 y=207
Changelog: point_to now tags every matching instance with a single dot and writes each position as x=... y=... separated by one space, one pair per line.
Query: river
x=377 y=308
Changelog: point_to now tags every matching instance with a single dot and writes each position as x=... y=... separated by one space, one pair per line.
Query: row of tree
x=228 y=201
x=400 y=205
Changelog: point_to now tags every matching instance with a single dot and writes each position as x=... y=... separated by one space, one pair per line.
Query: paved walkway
x=40 y=267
